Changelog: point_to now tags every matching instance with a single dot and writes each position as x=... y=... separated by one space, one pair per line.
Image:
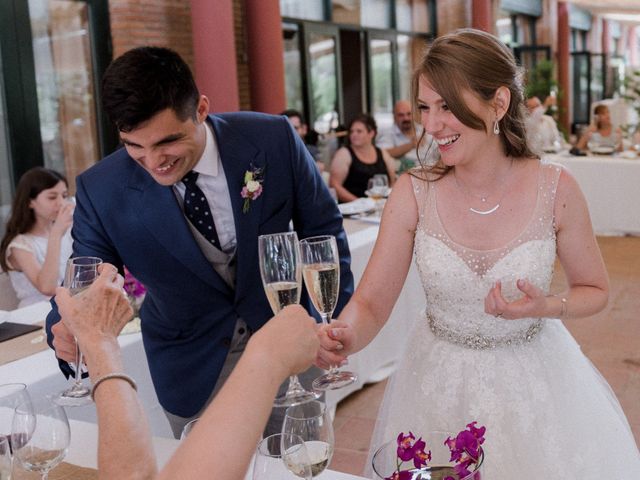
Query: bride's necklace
x=483 y=198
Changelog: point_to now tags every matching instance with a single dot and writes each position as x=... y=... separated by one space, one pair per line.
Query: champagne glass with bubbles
x=81 y=272
x=279 y=258
x=321 y=271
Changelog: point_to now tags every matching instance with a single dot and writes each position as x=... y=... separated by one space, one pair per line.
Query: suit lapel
x=160 y=213
x=238 y=156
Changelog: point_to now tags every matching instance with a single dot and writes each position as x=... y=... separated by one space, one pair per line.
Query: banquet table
x=374 y=363
x=611 y=185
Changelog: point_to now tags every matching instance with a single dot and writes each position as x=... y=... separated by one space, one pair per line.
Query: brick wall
x=242 y=58
x=165 y=23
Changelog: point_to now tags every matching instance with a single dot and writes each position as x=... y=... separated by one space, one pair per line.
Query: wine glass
x=279 y=258
x=321 y=271
x=312 y=422
x=5 y=458
x=378 y=188
x=11 y=395
x=281 y=456
x=81 y=272
x=40 y=435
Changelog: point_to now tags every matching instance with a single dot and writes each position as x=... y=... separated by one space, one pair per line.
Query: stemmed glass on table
x=281 y=456
x=321 y=271
x=11 y=395
x=279 y=258
x=40 y=435
x=312 y=422
x=81 y=272
x=378 y=188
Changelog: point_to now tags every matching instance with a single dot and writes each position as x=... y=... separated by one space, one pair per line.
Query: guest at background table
x=302 y=129
x=542 y=130
x=225 y=436
x=37 y=240
x=353 y=165
x=405 y=140
x=182 y=205
x=601 y=132
x=484 y=226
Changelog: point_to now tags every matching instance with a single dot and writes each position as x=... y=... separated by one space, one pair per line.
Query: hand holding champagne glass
x=321 y=271
x=279 y=258
x=81 y=272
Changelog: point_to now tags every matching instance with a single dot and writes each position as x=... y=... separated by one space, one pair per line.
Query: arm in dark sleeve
x=89 y=239
x=316 y=213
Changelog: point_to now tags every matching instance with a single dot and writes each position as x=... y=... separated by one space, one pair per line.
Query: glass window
x=292 y=66
x=324 y=82
x=64 y=82
x=504 y=28
x=381 y=82
x=412 y=15
x=6 y=184
x=410 y=50
x=307 y=9
x=376 y=13
x=345 y=11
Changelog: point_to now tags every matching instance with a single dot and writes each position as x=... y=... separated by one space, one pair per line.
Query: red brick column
x=564 y=37
x=482 y=15
x=265 y=48
x=215 y=53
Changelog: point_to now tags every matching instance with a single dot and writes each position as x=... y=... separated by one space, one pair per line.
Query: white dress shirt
x=213 y=182
x=394 y=137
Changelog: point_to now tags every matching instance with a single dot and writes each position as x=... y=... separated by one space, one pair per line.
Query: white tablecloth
x=611 y=185
x=40 y=371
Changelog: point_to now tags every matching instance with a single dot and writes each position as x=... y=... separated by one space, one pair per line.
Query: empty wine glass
x=321 y=271
x=312 y=422
x=5 y=458
x=11 y=395
x=81 y=272
x=281 y=456
x=40 y=435
x=279 y=259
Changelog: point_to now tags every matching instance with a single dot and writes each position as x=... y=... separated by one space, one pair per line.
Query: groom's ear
x=202 y=109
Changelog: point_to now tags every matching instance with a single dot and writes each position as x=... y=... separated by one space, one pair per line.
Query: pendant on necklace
x=485 y=212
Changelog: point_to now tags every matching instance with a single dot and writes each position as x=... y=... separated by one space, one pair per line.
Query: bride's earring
x=496 y=127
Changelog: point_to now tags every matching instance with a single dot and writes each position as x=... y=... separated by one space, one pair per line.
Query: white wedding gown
x=549 y=413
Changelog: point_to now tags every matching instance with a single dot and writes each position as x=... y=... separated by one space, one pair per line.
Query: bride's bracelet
x=121 y=376
x=563 y=306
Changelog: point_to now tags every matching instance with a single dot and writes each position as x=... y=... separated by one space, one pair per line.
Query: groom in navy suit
x=182 y=206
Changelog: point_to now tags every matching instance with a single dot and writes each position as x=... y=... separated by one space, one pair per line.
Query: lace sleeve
x=21 y=243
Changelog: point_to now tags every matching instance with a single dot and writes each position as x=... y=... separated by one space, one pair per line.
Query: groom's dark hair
x=144 y=81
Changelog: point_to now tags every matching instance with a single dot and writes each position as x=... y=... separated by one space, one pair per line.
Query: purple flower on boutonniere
x=252 y=188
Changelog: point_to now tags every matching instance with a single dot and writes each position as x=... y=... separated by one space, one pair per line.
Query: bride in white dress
x=485 y=226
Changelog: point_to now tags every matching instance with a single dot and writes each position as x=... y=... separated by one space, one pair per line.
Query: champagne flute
x=312 y=422
x=281 y=456
x=279 y=258
x=81 y=272
x=321 y=271
x=40 y=435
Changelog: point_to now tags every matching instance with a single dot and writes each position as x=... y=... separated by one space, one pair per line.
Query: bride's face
x=457 y=142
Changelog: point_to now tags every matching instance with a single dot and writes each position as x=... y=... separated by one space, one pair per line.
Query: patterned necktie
x=197 y=210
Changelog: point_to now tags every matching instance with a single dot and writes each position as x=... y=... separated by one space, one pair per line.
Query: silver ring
x=498 y=315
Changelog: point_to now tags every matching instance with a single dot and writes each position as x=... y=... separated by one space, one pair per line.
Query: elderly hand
x=288 y=339
x=98 y=313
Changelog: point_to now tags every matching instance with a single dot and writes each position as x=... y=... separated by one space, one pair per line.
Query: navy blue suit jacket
x=124 y=217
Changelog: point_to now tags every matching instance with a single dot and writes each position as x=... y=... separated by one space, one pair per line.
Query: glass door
x=581 y=69
x=6 y=178
x=382 y=88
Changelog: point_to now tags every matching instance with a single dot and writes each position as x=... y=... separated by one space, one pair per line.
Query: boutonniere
x=252 y=188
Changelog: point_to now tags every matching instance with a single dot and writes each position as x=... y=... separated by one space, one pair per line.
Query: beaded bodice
x=456 y=279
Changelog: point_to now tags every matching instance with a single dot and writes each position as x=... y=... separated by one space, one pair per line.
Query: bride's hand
x=335 y=340
x=532 y=304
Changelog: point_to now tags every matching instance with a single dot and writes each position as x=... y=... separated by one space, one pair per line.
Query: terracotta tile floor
x=610 y=339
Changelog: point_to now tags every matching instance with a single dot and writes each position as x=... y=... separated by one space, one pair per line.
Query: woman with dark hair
x=352 y=166
x=485 y=225
x=601 y=132
x=37 y=241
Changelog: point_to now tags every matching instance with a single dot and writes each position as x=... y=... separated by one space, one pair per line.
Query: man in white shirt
x=401 y=139
x=542 y=129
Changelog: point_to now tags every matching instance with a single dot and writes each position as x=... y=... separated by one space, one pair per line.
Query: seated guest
x=238 y=413
x=352 y=166
x=541 y=129
x=295 y=118
x=37 y=242
x=601 y=132
x=401 y=140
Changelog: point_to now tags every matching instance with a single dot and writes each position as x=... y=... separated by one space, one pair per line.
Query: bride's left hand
x=532 y=304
